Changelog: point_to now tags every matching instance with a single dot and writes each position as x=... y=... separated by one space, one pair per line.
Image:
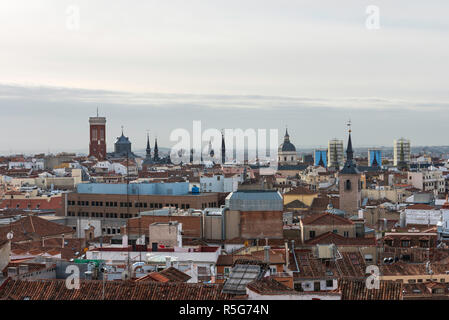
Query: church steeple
x=286 y=136
x=148 y=150
x=321 y=162
x=350 y=167
x=156 y=151
x=223 y=149
x=375 y=163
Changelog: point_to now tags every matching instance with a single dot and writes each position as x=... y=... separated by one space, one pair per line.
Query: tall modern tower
x=401 y=153
x=335 y=154
x=97 y=142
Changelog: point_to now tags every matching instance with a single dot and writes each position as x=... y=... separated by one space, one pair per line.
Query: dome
x=123 y=140
x=287 y=146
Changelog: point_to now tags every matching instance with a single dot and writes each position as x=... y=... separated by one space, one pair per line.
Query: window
x=329 y=283
x=348 y=185
x=346 y=234
x=405 y=243
x=312 y=234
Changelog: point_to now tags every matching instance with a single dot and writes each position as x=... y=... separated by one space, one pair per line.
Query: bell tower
x=97 y=142
x=349 y=182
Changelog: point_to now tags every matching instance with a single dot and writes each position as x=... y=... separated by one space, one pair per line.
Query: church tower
x=349 y=182
x=287 y=152
x=156 y=151
x=223 y=149
x=97 y=142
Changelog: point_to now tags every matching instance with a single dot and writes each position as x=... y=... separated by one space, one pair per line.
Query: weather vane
x=349 y=125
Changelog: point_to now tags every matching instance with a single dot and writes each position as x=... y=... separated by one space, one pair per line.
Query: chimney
x=286 y=254
x=124 y=241
x=43 y=242
x=62 y=241
x=267 y=254
x=167 y=262
x=23 y=268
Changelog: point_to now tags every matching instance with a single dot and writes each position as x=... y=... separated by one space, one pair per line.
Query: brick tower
x=97 y=142
x=349 y=183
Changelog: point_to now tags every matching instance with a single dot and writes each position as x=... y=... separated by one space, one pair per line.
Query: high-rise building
x=335 y=154
x=401 y=153
x=97 y=142
x=374 y=157
x=349 y=183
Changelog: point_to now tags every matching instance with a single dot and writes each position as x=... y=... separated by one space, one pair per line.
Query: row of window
x=28 y=206
x=139 y=204
x=101 y=215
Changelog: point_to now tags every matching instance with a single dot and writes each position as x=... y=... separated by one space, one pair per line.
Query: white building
x=335 y=153
x=428 y=180
x=219 y=183
x=398 y=145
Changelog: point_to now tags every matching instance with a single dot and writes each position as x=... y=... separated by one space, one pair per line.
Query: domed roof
x=287 y=146
x=123 y=140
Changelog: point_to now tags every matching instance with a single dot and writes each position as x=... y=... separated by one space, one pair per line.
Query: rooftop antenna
x=97 y=112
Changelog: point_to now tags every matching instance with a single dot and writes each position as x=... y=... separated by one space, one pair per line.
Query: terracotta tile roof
x=325 y=219
x=300 y=190
x=330 y=237
x=174 y=275
x=114 y=290
x=357 y=290
x=30 y=227
x=351 y=265
x=321 y=203
x=411 y=269
x=269 y=286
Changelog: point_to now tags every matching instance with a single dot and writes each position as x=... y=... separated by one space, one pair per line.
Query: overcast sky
x=160 y=64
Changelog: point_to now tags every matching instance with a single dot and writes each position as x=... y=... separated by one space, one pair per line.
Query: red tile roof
x=357 y=290
x=325 y=219
x=114 y=290
x=300 y=190
x=330 y=237
x=30 y=227
x=269 y=286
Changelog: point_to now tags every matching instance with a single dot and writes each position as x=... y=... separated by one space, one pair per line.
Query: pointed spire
x=375 y=163
x=223 y=149
x=156 y=150
x=349 y=151
x=350 y=166
x=321 y=162
x=148 y=146
x=286 y=136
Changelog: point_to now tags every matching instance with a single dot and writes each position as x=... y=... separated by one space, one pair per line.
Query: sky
x=158 y=65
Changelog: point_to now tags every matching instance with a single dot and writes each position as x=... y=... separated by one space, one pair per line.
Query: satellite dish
x=10 y=235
